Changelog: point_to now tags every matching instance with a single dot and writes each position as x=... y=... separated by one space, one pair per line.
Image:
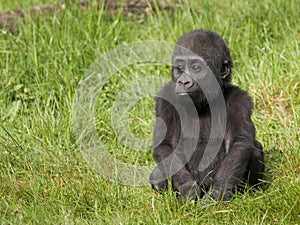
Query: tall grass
x=44 y=178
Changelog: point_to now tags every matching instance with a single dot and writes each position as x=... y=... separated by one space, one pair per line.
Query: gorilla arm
x=241 y=146
x=166 y=137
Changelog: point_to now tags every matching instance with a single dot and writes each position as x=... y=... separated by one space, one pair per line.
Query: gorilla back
x=204 y=138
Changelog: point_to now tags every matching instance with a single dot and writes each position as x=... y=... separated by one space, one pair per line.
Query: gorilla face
x=199 y=59
x=187 y=71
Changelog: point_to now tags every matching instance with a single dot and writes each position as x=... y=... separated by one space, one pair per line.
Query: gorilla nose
x=186 y=83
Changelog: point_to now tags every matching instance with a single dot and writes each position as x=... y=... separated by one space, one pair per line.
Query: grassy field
x=44 y=178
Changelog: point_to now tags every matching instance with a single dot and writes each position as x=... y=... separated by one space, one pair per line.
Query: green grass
x=43 y=176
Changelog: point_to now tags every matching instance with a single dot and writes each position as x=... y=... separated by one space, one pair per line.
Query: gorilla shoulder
x=237 y=98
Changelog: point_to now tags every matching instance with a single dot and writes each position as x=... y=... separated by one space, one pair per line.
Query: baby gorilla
x=204 y=138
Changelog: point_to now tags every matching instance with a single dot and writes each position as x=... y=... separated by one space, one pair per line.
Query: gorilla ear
x=225 y=70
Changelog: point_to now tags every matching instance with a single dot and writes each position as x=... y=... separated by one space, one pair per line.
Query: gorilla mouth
x=192 y=91
x=182 y=93
x=193 y=95
x=188 y=93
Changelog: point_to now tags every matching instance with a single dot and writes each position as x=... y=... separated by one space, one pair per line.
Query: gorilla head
x=198 y=55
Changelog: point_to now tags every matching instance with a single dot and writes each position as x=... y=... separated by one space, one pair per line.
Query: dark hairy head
x=197 y=53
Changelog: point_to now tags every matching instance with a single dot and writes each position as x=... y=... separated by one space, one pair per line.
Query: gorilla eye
x=180 y=67
x=196 y=67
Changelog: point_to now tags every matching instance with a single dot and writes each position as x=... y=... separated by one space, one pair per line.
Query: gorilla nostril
x=187 y=84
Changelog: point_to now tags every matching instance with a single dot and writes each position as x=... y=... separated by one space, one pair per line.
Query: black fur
x=240 y=157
